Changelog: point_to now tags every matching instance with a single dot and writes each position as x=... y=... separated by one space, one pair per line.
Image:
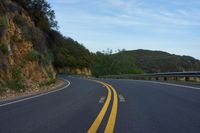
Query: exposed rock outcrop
x=22 y=54
x=78 y=71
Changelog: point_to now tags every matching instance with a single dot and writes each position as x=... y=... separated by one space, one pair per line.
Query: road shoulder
x=42 y=90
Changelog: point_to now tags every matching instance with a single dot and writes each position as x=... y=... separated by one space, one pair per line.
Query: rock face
x=78 y=71
x=23 y=57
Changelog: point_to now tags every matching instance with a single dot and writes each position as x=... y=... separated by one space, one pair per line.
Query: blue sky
x=167 y=25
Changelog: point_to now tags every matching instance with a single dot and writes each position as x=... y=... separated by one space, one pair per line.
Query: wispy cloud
x=133 y=11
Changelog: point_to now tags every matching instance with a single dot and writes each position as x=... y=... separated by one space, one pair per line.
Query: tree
x=41 y=13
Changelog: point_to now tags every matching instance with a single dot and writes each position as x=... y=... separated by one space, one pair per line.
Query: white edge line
x=39 y=95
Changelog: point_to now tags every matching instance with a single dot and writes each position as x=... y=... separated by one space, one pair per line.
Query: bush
x=3 y=21
x=22 y=24
x=19 y=40
x=19 y=21
x=31 y=33
x=33 y=55
x=112 y=64
x=46 y=59
x=22 y=63
x=2 y=88
x=40 y=12
x=51 y=81
x=63 y=58
x=4 y=48
x=48 y=83
x=16 y=83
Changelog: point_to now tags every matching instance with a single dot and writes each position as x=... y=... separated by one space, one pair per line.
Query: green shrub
x=22 y=24
x=51 y=81
x=4 y=48
x=19 y=40
x=22 y=63
x=47 y=58
x=3 y=21
x=33 y=55
x=50 y=74
x=41 y=13
x=19 y=21
x=16 y=83
x=47 y=83
x=2 y=89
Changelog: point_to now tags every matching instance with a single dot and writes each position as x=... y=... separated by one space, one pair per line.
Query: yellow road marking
x=98 y=120
x=113 y=115
x=112 y=119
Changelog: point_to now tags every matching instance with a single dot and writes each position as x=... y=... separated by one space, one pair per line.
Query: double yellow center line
x=113 y=114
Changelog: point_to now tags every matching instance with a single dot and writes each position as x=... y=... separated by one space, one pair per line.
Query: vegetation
x=2 y=88
x=48 y=83
x=67 y=52
x=19 y=21
x=16 y=83
x=50 y=46
x=51 y=80
x=33 y=55
x=3 y=24
x=4 y=48
x=47 y=58
x=141 y=61
x=158 y=61
x=41 y=13
x=3 y=21
x=23 y=25
x=107 y=64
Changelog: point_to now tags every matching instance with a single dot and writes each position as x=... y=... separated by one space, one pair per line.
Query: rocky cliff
x=24 y=58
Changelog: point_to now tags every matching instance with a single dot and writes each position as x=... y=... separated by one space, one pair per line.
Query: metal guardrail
x=157 y=76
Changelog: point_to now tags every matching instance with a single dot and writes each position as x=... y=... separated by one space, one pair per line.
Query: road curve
x=157 y=107
x=71 y=110
x=121 y=106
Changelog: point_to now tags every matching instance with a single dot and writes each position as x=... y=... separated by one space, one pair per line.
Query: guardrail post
x=187 y=78
x=198 y=79
x=176 y=78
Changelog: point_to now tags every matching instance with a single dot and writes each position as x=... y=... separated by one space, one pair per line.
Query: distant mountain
x=143 y=61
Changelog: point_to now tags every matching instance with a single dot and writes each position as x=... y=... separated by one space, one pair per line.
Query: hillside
x=142 y=61
x=32 y=50
x=23 y=51
x=158 y=61
x=69 y=56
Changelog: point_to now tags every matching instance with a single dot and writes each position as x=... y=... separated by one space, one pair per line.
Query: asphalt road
x=121 y=106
